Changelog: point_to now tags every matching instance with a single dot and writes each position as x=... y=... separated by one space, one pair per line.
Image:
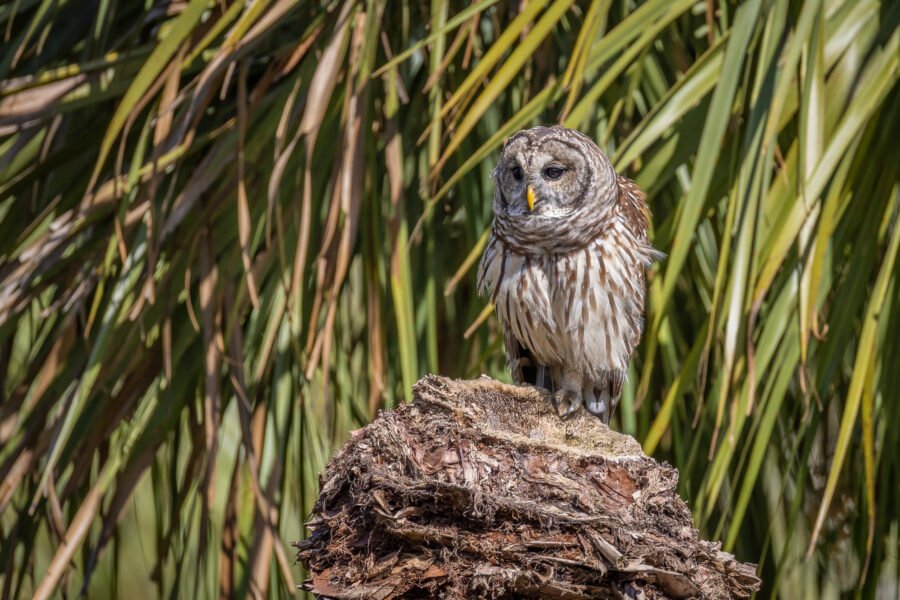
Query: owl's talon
x=566 y=402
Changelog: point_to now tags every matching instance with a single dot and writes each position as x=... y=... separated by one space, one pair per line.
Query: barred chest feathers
x=580 y=311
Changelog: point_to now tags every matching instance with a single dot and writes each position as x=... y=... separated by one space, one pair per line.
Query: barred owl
x=565 y=267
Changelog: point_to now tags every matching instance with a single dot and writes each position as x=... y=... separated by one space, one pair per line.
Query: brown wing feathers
x=633 y=204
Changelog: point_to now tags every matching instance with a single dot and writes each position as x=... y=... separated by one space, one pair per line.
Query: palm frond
x=231 y=231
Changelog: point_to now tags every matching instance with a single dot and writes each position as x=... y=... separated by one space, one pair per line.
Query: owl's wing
x=633 y=206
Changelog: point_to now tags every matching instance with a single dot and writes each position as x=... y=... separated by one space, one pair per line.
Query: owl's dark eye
x=517 y=173
x=554 y=172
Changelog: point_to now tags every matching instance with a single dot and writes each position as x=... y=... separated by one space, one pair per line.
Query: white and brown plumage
x=565 y=267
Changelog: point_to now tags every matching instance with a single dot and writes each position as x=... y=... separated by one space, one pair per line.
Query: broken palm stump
x=477 y=489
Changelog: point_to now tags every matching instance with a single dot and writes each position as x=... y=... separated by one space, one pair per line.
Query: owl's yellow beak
x=529 y=195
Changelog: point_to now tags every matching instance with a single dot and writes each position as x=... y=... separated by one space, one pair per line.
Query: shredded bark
x=477 y=489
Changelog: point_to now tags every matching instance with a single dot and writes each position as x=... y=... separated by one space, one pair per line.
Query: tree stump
x=477 y=489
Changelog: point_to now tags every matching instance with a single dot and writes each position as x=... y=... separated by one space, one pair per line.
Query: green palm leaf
x=224 y=227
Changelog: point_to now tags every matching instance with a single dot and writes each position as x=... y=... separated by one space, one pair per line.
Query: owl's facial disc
x=552 y=187
x=541 y=177
x=558 y=174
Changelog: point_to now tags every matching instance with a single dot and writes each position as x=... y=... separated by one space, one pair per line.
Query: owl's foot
x=566 y=402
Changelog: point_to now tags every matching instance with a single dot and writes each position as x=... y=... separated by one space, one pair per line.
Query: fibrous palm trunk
x=477 y=489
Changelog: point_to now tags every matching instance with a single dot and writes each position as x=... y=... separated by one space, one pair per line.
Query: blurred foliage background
x=231 y=231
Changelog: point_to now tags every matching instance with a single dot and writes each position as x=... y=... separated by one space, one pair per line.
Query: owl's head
x=548 y=180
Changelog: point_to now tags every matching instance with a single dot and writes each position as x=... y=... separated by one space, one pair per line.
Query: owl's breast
x=521 y=287
x=580 y=310
x=599 y=299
